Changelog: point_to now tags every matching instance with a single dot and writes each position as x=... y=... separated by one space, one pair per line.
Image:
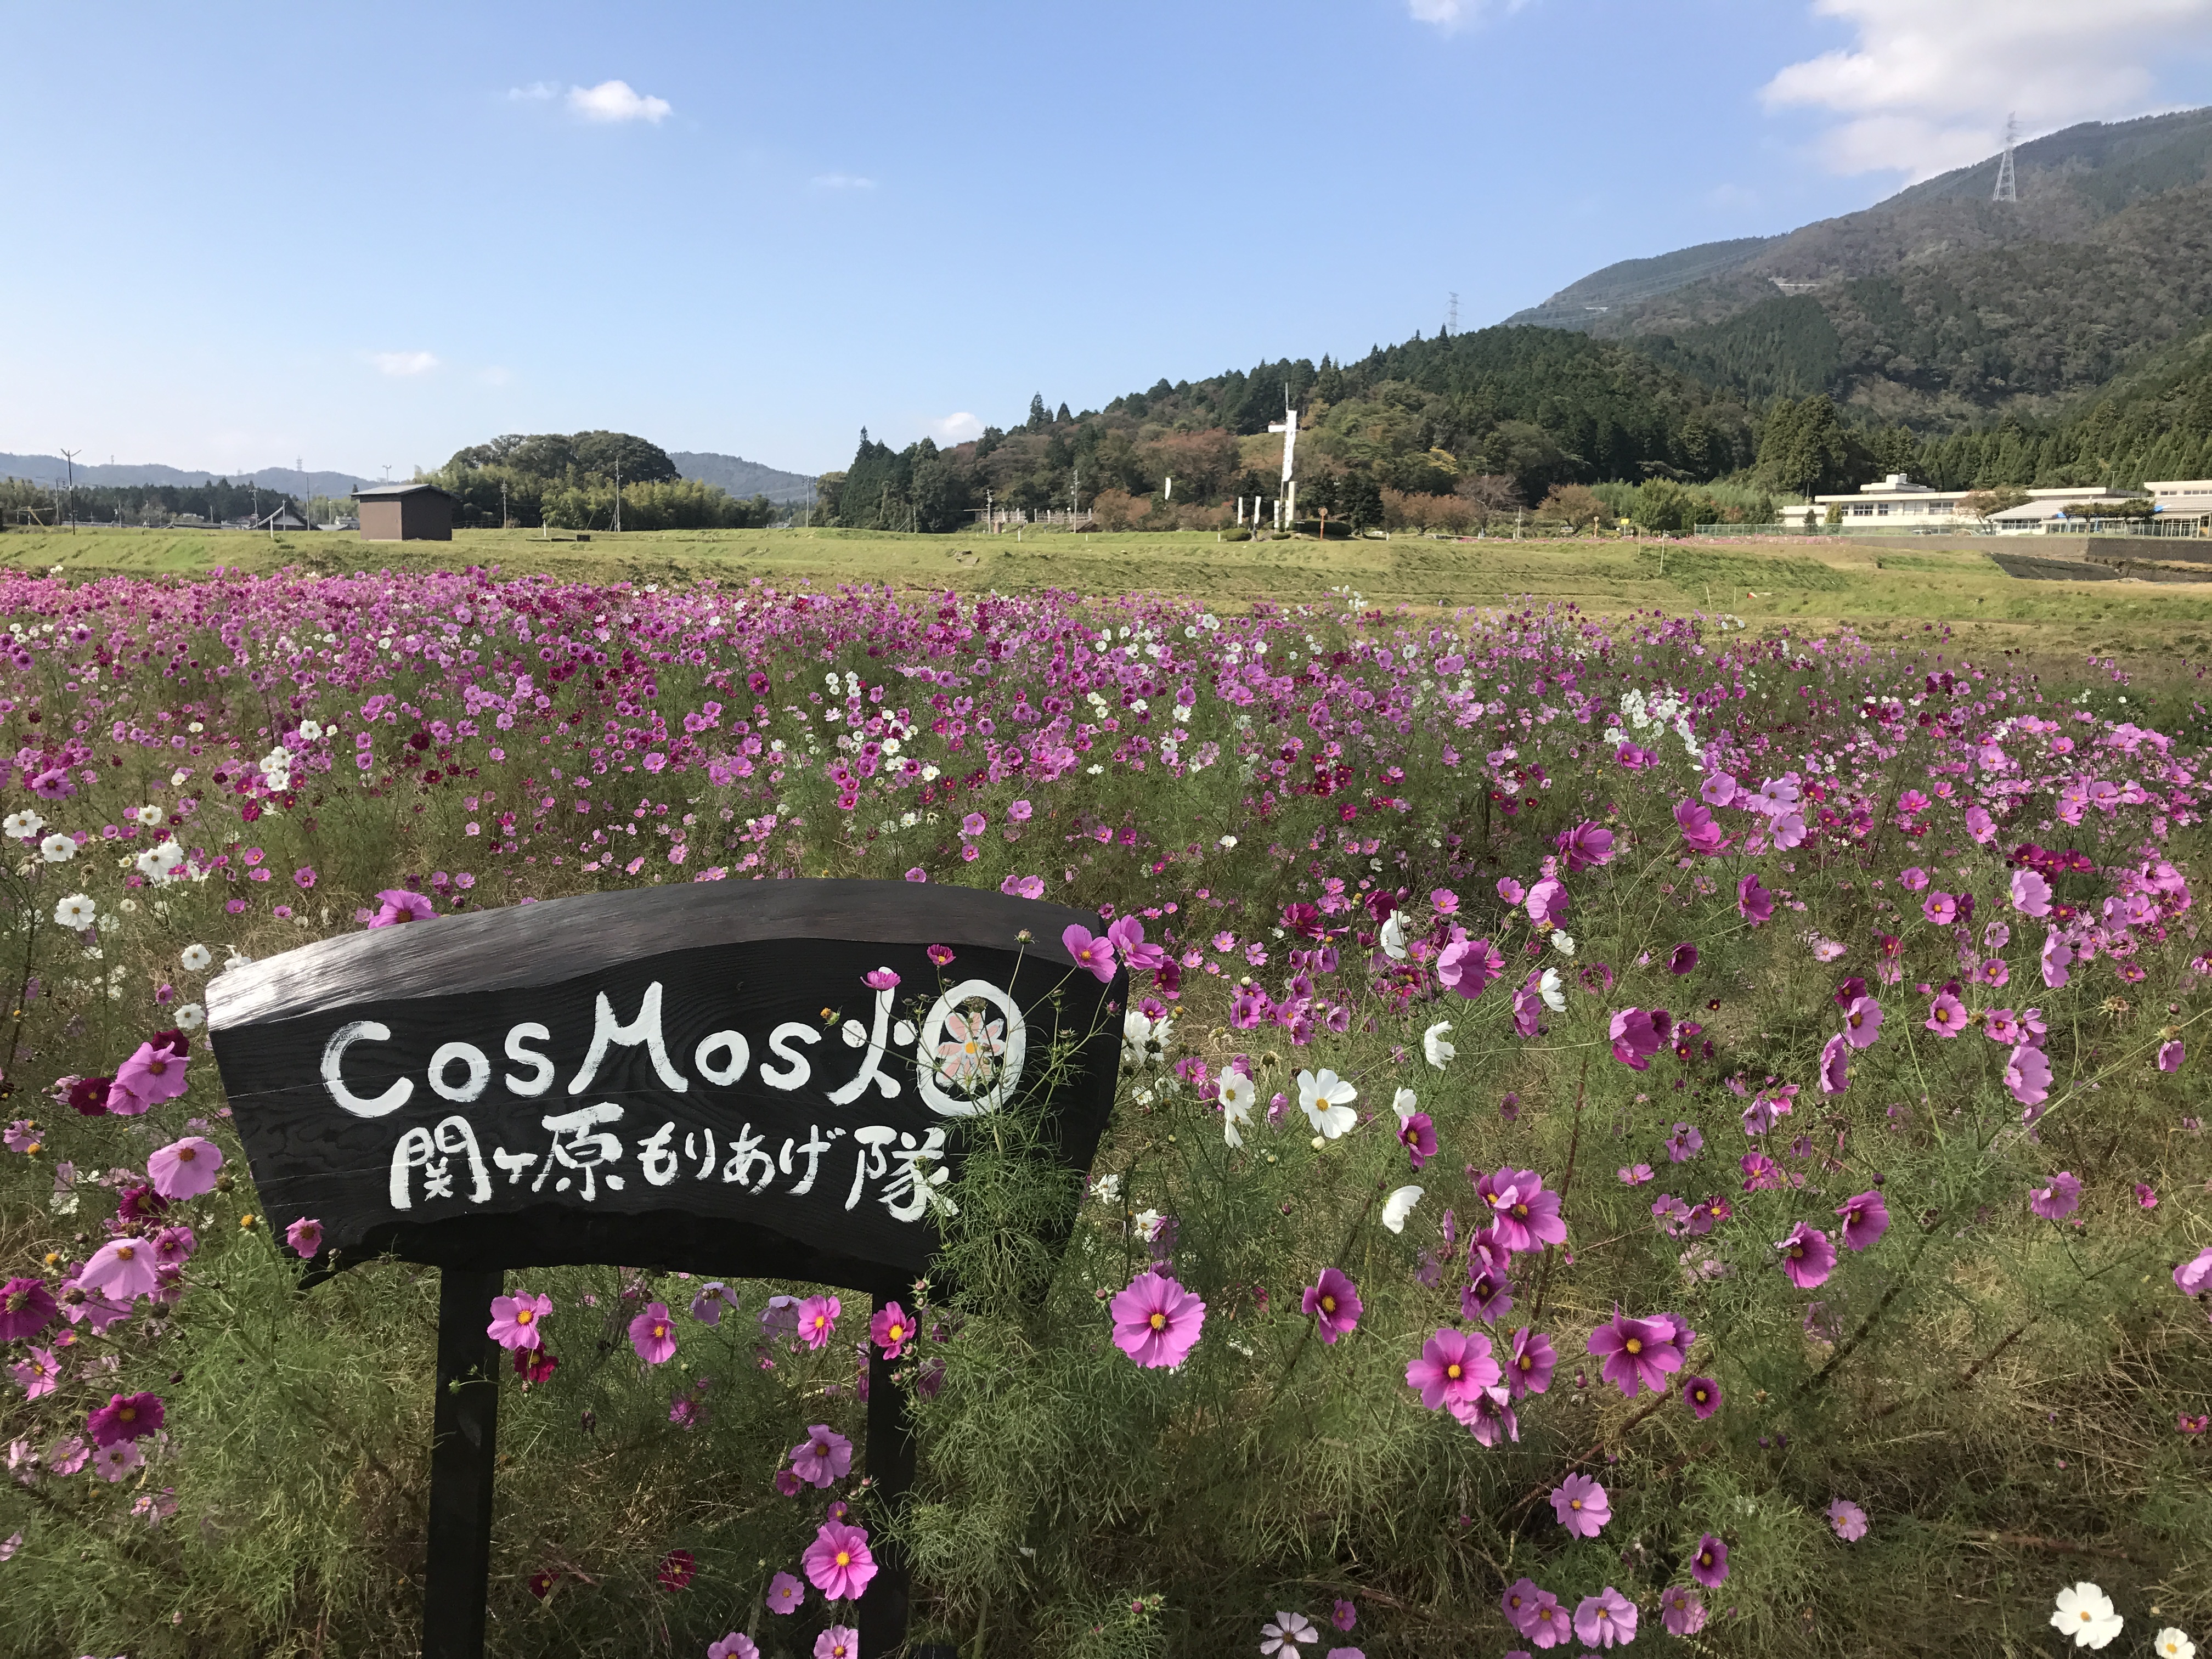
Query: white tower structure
x=1286 y=510
x=2007 y=189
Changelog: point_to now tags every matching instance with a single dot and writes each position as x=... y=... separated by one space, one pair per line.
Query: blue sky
x=755 y=228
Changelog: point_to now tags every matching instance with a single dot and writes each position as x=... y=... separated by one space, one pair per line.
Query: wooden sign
x=768 y=1078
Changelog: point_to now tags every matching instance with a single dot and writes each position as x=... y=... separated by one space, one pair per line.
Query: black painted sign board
x=757 y=1080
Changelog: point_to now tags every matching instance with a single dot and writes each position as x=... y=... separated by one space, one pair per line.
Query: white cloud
x=956 y=428
x=403 y=363
x=842 y=181
x=535 y=93
x=616 y=100
x=1929 y=83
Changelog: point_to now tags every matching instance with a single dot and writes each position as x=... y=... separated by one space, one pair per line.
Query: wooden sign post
x=739 y=1079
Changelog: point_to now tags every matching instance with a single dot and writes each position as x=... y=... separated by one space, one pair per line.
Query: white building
x=2186 y=498
x=1896 y=503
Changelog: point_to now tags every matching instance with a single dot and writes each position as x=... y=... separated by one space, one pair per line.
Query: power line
x=2008 y=188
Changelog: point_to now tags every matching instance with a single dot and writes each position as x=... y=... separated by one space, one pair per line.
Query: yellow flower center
x=125 y=1254
x=1634 y=1345
x=898 y=1332
x=1329 y=1304
x=1574 y=1503
x=129 y=1414
x=661 y=1330
x=523 y=1315
x=186 y=1154
x=844 y=1558
x=1158 y=1321
x=1452 y=1370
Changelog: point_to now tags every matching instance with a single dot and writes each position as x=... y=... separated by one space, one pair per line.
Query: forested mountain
x=742 y=477
x=1940 y=306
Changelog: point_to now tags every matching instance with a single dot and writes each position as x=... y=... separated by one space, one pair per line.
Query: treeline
x=218 y=500
x=567 y=481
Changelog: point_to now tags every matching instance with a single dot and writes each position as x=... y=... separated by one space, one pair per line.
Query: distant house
x=406 y=512
x=2058 y=509
x=283 y=519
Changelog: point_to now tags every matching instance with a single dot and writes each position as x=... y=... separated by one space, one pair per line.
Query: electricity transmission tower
x=2008 y=190
x=1451 y=322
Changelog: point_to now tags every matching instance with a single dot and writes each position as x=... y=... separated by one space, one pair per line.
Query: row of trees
x=217 y=500
x=567 y=481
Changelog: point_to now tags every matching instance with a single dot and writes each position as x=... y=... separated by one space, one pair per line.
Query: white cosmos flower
x=1563 y=943
x=1142 y=1042
x=159 y=863
x=237 y=959
x=190 y=1017
x=2085 y=1613
x=1405 y=1104
x=23 y=825
x=1228 y=841
x=1548 y=987
x=1107 y=1189
x=178 y=778
x=58 y=849
x=2171 y=1643
x=149 y=816
x=1393 y=937
x=1326 y=1099
x=75 y=913
x=195 y=958
x=310 y=730
x=1281 y=1635
x=1237 y=1096
x=1439 y=1052
x=1398 y=1206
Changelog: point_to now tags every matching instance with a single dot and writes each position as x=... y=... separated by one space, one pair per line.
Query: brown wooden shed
x=406 y=512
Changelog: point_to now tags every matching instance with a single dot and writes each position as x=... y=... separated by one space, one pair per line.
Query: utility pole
x=617 y=489
x=68 y=461
x=502 y=504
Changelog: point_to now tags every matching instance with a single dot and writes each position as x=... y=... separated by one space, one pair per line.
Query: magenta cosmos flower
x=785 y=1594
x=1806 y=1256
x=27 y=1307
x=1637 y=1034
x=149 y=1078
x=1862 y=1022
x=1682 y=1611
x=305 y=1235
x=1606 y=1618
x=1529 y=1364
x=1523 y=1216
x=1468 y=965
x=2170 y=1055
x=823 y=1458
x=2028 y=1075
x=652 y=1333
x=1092 y=953
x=1940 y=907
x=1637 y=1354
x=517 y=1322
x=1947 y=1015
x=1418 y=1132
x=1452 y=1367
x=1155 y=1322
x=184 y=1169
x=1344 y=1615
x=1334 y=1301
x=1752 y=901
x=1519 y=1603
x=1682 y=959
x=399 y=906
x=1697 y=827
x=837 y=1562
x=1581 y=1505
x=2053 y=1203
x=1585 y=845
x=1548 y=1624
x=1865 y=1217
x=817 y=1320
x=1709 y=1566
x=1547 y=902
x=1703 y=1395
x=125 y=1417
x=837 y=1642
x=736 y=1646
x=1849 y=1520
x=891 y=1330
x=1835 y=1066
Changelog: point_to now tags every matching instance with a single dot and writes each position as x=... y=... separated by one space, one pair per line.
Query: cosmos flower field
x=1630 y=1132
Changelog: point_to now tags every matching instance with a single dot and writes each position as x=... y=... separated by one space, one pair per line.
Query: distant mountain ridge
x=290 y=481
x=1940 y=305
x=744 y=478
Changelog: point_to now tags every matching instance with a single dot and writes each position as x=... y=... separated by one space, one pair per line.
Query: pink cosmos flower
x=714 y=1297
x=736 y=1646
x=1637 y=1354
x=1585 y=845
x=1709 y=1566
x=652 y=1333
x=1996 y=973
x=1453 y=1366
x=305 y=1235
x=1489 y=1292
x=1940 y=907
x=112 y=1463
x=1605 y=1618
x=1947 y=1015
x=1581 y=1506
x=1682 y=1612
x=837 y=1562
x=1807 y=1257
x=2170 y=1056
x=184 y=1169
x=38 y=1372
x=1703 y=1396
x=1489 y=1417
x=1682 y=959
x=1915 y=879
x=153 y=1075
x=1638 y=1034
x=1334 y=1301
x=123 y=1269
x=125 y=1417
x=1866 y=1218
x=1635 y=1175
x=837 y=1642
x=823 y=1458
x=1519 y=1603
x=1835 y=1065
x=1547 y=902
x=1419 y=1134
x=1752 y=901
x=1529 y=1364
x=1523 y=1215
x=2001 y=1025
x=1863 y=1022
x=1508 y=889
x=2194 y=1277
x=2056 y=956
x=399 y=906
x=1468 y=965
x=1697 y=827
x=941 y=955
x=2059 y=1199
x=2031 y=893
x=1090 y=951
x=2028 y=1074
x=1344 y=1615
x=817 y=1320
x=26 y=1308
x=1849 y=1520
x=517 y=1322
x=891 y=1330
x=1156 y=1321
x=785 y=1594
x=1127 y=935
x=1549 y=1624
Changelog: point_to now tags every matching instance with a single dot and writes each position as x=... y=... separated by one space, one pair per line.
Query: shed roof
x=393 y=491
